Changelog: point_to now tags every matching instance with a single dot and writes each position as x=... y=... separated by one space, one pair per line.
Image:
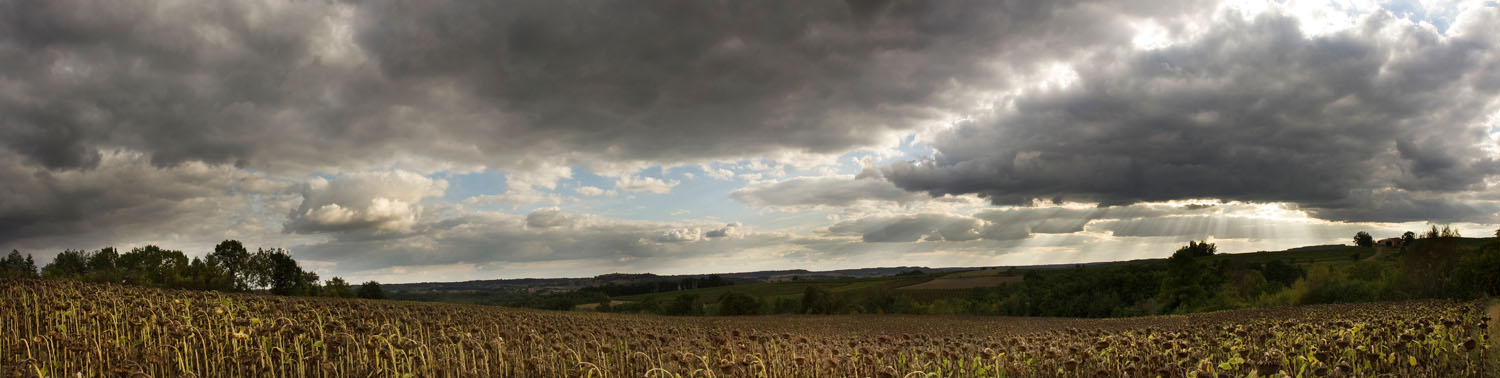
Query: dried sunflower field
x=64 y=328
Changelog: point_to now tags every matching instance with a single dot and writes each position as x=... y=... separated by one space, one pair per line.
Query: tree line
x=230 y=268
x=1437 y=263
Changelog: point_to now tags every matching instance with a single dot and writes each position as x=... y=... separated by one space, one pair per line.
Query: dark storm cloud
x=190 y=81
x=512 y=84
x=286 y=89
x=1251 y=111
x=127 y=200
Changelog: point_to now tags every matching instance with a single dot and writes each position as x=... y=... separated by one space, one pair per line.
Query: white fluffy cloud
x=592 y=191
x=379 y=202
x=645 y=184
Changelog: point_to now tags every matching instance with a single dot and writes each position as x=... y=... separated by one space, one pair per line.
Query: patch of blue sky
x=583 y=177
x=1440 y=14
x=463 y=186
x=697 y=197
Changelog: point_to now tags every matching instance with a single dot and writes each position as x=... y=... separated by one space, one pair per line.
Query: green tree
x=734 y=303
x=1428 y=264
x=1478 y=273
x=1182 y=287
x=816 y=300
x=1280 y=272
x=1199 y=249
x=1407 y=238
x=338 y=288
x=69 y=264
x=308 y=285
x=234 y=259
x=1363 y=239
x=650 y=304
x=204 y=276
x=15 y=266
x=684 y=304
x=370 y=290
x=104 y=266
x=153 y=266
x=273 y=271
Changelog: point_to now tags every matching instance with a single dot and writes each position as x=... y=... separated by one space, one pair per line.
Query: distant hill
x=1303 y=275
x=562 y=285
x=557 y=285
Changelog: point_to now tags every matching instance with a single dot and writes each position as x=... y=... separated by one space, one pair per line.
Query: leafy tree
x=649 y=305
x=684 y=304
x=1478 y=273
x=276 y=272
x=279 y=273
x=338 y=288
x=1449 y=232
x=66 y=265
x=370 y=290
x=1431 y=234
x=204 y=276
x=734 y=303
x=816 y=300
x=1198 y=249
x=1408 y=238
x=1428 y=265
x=104 y=267
x=1363 y=239
x=784 y=306
x=1182 y=288
x=153 y=266
x=307 y=285
x=15 y=266
x=234 y=259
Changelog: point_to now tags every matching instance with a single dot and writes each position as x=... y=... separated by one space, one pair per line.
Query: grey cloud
x=1011 y=223
x=1228 y=227
x=489 y=237
x=1251 y=111
x=1401 y=206
x=821 y=191
x=297 y=88
x=127 y=200
x=910 y=228
x=547 y=218
x=1061 y=220
x=735 y=229
x=310 y=86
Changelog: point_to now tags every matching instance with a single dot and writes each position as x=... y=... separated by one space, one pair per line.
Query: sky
x=444 y=140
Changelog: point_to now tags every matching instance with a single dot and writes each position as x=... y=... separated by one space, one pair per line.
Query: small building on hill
x=1389 y=242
